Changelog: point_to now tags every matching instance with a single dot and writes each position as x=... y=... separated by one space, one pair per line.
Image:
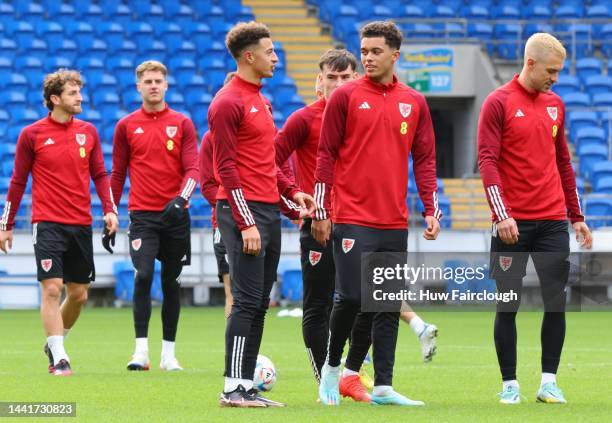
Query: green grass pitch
x=459 y=385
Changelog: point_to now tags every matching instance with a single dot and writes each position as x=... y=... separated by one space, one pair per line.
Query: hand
x=507 y=231
x=321 y=231
x=174 y=211
x=108 y=240
x=251 y=241
x=4 y=237
x=111 y=222
x=306 y=202
x=433 y=228
x=582 y=231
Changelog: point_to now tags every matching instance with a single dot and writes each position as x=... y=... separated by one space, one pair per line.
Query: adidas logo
x=139 y=130
x=364 y=106
x=253 y=109
x=519 y=113
x=49 y=141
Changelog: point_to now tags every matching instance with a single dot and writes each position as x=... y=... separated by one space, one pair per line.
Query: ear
x=55 y=99
x=531 y=62
x=249 y=57
x=395 y=55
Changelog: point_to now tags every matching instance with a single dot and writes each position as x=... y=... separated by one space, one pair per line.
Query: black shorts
x=547 y=243
x=63 y=251
x=220 y=255
x=350 y=242
x=150 y=236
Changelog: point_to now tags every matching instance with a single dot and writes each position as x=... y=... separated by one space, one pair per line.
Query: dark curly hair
x=54 y=84
x=244 y=35
x=386 y=29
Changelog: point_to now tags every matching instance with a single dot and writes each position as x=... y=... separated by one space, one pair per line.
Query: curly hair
x=54 y=84
x=386 y=29
x=244 y=35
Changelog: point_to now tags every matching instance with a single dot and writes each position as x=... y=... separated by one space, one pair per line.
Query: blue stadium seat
x=79 y=32
x=581 y=119
x=181 y=67
x=126 y=49
x=13 y=99
x=31 y=68
x=4 y=185
x=92 y=67
x=34 y=47
x=198 y=33
x=589 y=155
x=22 y=117
x=131 y=100
x=482 y=32
x=605 y=116
x=51 y=64
x=4 y=122
x=536 y=11
x=91 y=13
x=598 y=84
x=475 y=12
x=576 y=99
x=6 y=64
x=588 y=66
x=177 y=12
x=102 y=81
x=569 y=12
x=7 y=12
x=119 y=13
x=599 y=11
x=598 y=211
x=66 y=48
x=601 y=170
x=175 y=100
x=509 y=37
x=191 y=82
x=604 y=186
x=107 y=134
x=148 y=12
x=605 y=34
x=8 y=47
x=116 y=63
x=13 y=81
x=171 y=33
x=155 y=50
x=506 y=11
x=20 y=31
x=580 y=185
x=441 y=11
x=106 y=102
x=566 y=84
x=590 y=135
x=111 y=33
x=111 y=118
x=453 y=30
x=141 y=33
x=219 y=28
x=581 y=34
x=195 y=97
x=183 y=50
x=29 y=11
x=531 y=28
x=602 y=99
x=52 y=32
x=92 y=116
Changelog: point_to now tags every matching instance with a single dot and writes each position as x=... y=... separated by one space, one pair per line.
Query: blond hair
x=541 y=44
x=152 y=66
x=54 y=84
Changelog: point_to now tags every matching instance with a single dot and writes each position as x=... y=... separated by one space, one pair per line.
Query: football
x=265 y=374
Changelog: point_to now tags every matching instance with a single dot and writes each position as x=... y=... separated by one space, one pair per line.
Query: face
x=263 y=58
x=332 y=79
x=377 y=57
x=69 y=100
x=544 y=72
x=152 y=86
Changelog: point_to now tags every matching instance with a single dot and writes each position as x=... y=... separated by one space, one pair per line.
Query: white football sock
x=167 y=351
x=231 y=383
x=142 y=346
x=56 y=345
x=348 y=372
x=507 y=383
x=417 y=325
x=382 y=390
x=547 y=378
x=331 y=369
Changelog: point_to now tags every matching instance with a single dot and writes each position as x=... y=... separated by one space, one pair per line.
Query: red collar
x=517 y=84
x=62 y=124
x=155 y=114
x=382 y=87
x=245 y=85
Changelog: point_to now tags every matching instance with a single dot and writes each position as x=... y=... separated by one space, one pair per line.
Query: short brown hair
x=150 y=65
x=54 y=84
x=338 y=60
x=386 y=29
x=242 y=35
